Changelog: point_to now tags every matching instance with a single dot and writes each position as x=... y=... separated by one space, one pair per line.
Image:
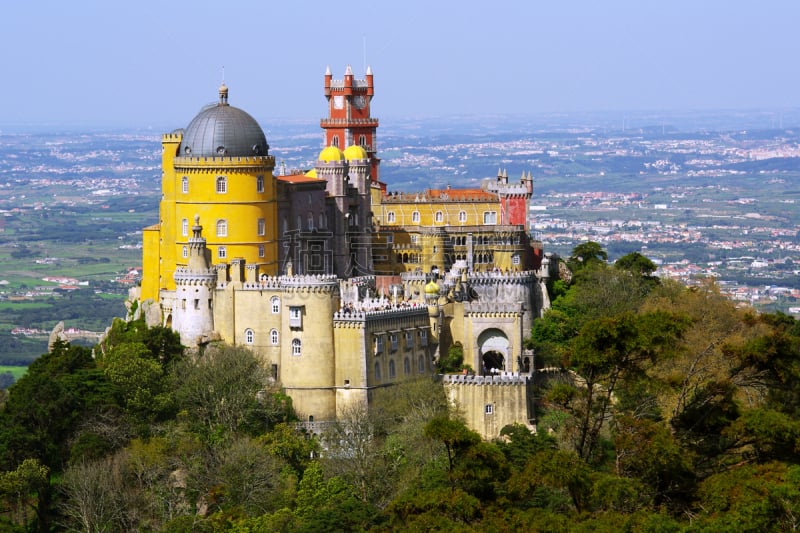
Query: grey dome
x=223 y=130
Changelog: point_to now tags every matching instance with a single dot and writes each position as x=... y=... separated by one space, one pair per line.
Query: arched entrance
x=493 y=351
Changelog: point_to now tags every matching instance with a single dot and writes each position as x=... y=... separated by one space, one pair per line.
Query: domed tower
x=219 y=168
x=192 y=308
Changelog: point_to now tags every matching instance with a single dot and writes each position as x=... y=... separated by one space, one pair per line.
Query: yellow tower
x=218 y=169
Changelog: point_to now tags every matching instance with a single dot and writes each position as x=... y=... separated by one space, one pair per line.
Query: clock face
x=338 y=102
x=359 y=101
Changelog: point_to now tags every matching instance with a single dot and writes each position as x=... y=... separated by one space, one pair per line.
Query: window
x=222 y=185
x=249 y=336
x=185 y=184
x=406 y=366
x=415 y=217
x=390 y=217
x=490 y=217
x=409 y=340
x=295 y=316
x=439 y=217
x=185 y=252
x=273 y=337
x=378 y=344
x=297 y=347
x=335 y=141
x=362 y=140
x=423 y=337
x=222 y=253
x=421 y=364
x=462 y=216
x=391 y=369
x=260 y=250
x=515 y=259
x=222 y=228
x=377 y=371
x=489 y=409
x=185 y=227
x=322 y=223
x=299 y=222
x=261 y=226
x=389 y=238
x=276 y=305
x=414 y=238
x=310 y=221
x=259 y=183
x=393 y=341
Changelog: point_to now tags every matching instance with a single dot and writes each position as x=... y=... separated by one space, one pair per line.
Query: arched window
x=273 y=337
x=462 y=216
x=259 y=183
x=275 y=302
x=439 y=217
x=185 y=184
x=260 y=250
x=311 y=221
x=415 y=217
x=390 y=217
x=185 y=227
x=406 y=366
x=185 y=252
x=297 y=347
x=335 y=141
x=362 y=140
x=261 y=226
x=377 y=371
x=391 y=369
x=322 y=224
x=222 y=184
x=222 y=252
x=249 y=336
x=222 y=228
x=421 y=364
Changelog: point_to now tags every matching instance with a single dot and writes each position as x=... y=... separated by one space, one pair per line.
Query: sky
x=148 y=63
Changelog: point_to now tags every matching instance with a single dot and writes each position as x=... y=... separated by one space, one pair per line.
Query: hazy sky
x=153 y=63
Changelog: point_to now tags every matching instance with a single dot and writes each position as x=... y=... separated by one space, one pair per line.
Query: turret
x=192 y=314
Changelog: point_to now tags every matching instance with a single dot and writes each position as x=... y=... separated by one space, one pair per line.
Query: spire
x=328 y=70
x=369 y=70
x=348 y=71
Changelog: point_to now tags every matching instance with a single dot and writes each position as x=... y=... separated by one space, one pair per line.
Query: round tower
x=192 y=310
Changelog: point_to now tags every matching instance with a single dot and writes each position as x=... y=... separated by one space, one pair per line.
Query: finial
x=348 y=71
x=223 y=94
x=197 y=220
x=369 y=70
x=328 y=70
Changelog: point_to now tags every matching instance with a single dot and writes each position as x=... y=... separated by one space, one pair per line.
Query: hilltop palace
x=339 y=286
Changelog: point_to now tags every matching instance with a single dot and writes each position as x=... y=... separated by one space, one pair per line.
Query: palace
x=339 y=286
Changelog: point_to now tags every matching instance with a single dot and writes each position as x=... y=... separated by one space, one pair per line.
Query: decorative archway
x=493 y=350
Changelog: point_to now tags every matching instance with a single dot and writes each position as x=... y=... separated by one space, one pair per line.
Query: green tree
x=453 y=362
x=586 y=255
x=636 y=263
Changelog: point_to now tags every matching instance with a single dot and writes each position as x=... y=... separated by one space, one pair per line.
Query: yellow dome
x=312 y=173
x=355 y=151
x=331 y=154
x=431 y=288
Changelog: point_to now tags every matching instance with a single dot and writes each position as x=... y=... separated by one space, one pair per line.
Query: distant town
x=704 y=205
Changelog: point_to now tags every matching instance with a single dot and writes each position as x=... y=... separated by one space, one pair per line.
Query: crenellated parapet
x=370 y=315
x=310 y=282
x=493 y=278
x=206 y=163
x=493 y=309
x=504 y=378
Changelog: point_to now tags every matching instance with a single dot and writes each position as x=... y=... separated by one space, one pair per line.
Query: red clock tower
x=349 y=121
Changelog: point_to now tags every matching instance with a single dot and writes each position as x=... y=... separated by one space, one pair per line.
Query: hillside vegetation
x=668 y=409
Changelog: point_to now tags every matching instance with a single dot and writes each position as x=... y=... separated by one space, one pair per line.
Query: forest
x=668 y=409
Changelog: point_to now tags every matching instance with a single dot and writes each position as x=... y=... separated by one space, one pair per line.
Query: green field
x=16 y=371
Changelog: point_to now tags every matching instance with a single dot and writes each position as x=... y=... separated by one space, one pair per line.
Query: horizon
x=83 y=68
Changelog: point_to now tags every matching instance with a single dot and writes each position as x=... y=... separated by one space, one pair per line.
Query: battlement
x=505 y=378
x=491 y=278
x=309 y=282
x=494 y=309
x=368 y=315
x=172 y=137
x=214 y=161
x=366 y=122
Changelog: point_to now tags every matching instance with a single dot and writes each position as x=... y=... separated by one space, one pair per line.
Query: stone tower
x=193 y=306
x=349 y=121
